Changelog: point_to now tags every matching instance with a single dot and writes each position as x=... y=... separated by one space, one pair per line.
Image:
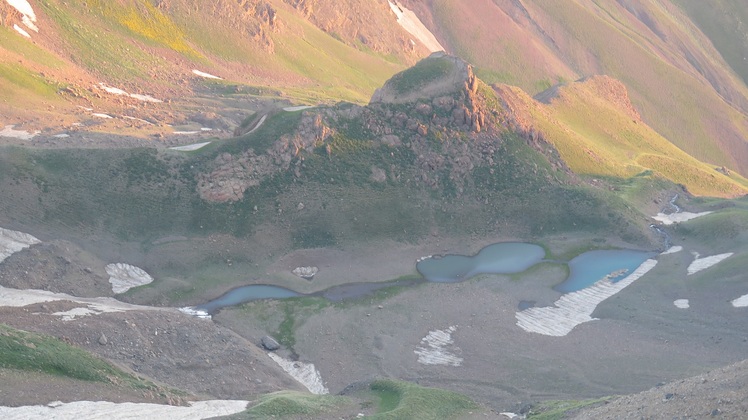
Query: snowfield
x=190 y=147
x=113 y=411
x=576 y=308
x=124 y=277
x=434 y=348
x=669 y=219
x=413 y=25
x=8 y=131
x=305 y=373
x=12 y=241
x=699 y=264
x=206 y=75
x=28 y=17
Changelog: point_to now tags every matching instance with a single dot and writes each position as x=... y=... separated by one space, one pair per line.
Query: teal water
x=586 y=269
x=501 y=258
x=245 y=294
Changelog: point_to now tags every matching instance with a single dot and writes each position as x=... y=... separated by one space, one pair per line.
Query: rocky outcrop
x=231 y=175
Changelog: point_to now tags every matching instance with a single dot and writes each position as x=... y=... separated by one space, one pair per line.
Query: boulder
x=269 y=343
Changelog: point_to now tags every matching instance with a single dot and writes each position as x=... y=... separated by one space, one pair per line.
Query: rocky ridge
x=451 y=123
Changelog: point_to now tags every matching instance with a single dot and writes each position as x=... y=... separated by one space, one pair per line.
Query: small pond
x=589 y=267
x=245 y=294
x=501 y=258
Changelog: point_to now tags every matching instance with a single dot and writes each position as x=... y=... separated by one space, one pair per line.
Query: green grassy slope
x=679 y=83
x=597 y=134
x=725 y=23
x=143 y=46
x=25 y=351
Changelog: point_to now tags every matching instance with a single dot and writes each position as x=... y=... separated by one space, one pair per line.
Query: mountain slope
x=678 y=81
x=598 y=132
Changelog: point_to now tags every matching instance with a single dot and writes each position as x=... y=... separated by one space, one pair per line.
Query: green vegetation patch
x=23 y=350
x=292 y=403
x=24 y=79
x=556 y=410
x=403 y=400
x=423 y=73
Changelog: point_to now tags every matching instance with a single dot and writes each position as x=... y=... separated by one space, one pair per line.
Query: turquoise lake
x=499 y=258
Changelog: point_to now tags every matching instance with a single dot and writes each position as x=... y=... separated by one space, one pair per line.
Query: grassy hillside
x=597 y=133
x=724 y=22
x=339 y=189
x=680 y=84
x=144 y=47
x=33 y=352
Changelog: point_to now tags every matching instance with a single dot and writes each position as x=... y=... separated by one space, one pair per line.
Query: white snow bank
x=699 y=264
x=433 y=349
x=94 y=306
x=259 y=123
x=21 y=31
x=305 y=373
x=190 y=147
x=184 y=132
x=682 y=303
x=118 y=91
x=12 y=241
x=410 y=22
x=8 y=131
x=124 y=277
x=100 y=115
x=77 y=410
x=28 y=18
x=206 y=75
x=24 y=7
x=297 y=108
x=576 y=308
x=740 y=302
x=669 y=219
x=673 y=250
x=191 y=311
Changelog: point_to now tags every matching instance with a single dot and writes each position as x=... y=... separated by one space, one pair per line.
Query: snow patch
x=76 y=410
x=61 y=136
x=76 y=313
x=184 y=132
x=673 y=250
x=740 y=302
x=190 y=147
x=297 y=108
x=21 y=31
x=433 y=348
x=124 y=277
x=8 y=131
x=575 y=308
x=137 y=119
x=192 y=311
x=12 y=241
x=305 y=272
x=413 y=25
x=699 y=264
x=28 y=16
x=669 y=219
x=94 y=306
x=682 y=303
x=118 y=91
x=206 y=75
x=305 y=373
x=100 y=115
x=24 y=8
